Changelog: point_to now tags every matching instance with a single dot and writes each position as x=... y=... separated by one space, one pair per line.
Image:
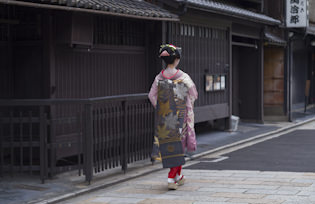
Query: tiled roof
x=223 y=8
x=274 y=39
x=128 y=8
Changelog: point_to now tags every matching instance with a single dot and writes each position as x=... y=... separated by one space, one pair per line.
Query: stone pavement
x=210 y=187
x=18 y=190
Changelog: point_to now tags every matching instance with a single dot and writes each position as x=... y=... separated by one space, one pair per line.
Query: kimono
x=174 y=130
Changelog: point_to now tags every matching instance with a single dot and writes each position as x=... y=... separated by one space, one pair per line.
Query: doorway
x=245 y=82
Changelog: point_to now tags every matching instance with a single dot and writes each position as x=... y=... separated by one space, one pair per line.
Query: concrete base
x=276 y=118
x=274 y=111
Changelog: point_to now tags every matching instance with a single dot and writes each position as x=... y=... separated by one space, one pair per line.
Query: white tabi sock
x=171 y=180
x=178 y=177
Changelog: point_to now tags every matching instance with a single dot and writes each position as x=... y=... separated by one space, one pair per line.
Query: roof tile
x=220 y=6
x=138 y=8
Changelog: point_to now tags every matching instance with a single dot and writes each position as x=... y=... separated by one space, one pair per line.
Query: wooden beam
x=9 y=21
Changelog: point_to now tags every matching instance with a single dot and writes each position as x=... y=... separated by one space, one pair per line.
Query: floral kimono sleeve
x=153 y=92
x=189 y=138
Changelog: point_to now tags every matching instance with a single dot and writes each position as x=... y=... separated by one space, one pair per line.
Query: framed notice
x=209 y=83
x=222 y=82
x=297 y=13
x=215 y=82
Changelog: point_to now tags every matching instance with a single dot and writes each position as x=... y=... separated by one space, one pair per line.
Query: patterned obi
x=171 y=111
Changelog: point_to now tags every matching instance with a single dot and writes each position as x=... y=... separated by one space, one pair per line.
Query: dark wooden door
x=246 y=82
x=273 y=81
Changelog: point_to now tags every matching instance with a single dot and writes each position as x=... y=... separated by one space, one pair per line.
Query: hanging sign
x=297 y=13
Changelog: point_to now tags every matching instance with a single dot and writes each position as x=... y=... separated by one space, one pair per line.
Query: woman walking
x=173 y=94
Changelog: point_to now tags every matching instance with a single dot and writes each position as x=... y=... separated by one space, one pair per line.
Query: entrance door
x=273 y=81
x=245 y=82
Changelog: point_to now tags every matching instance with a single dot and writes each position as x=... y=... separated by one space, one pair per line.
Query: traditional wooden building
x=95 y=52
x=223 y=49
x=275 y=72
x=92 y=53
x=289 y=65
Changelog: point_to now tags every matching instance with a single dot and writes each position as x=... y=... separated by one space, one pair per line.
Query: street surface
x=279 y=170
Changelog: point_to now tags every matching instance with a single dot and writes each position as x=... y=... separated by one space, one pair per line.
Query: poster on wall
x=217 y=82
x=297 y=13
x=222 y=82
x=209 y=83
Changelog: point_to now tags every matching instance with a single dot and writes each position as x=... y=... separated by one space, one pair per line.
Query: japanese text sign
x=297 y=13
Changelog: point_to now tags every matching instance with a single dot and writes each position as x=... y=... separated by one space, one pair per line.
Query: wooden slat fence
x=96 y=135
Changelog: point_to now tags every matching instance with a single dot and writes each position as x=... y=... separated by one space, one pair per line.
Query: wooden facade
x=218 y=44
x=205 y=51
x=61 y=54
x=20 y=39
x=48 y=54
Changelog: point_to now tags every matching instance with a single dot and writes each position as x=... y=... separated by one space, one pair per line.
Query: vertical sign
x=297 y=13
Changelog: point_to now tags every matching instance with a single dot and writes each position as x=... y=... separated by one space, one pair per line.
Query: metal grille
x=205 y=51
x=115 y=31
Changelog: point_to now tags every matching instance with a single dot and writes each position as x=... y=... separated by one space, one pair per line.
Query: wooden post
x=88 y=136
x=307 y=93
x=125 y=138
x=43 y=142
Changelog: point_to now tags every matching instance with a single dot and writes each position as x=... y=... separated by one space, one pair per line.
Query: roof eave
x=263 y=21
x=85 y=10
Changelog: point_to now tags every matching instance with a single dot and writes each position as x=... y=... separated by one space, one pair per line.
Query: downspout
x=288 y=66
x=261 y=79
x=289 y=71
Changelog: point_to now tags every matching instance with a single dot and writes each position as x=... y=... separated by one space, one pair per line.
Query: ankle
x=179 y=177
x=171 y=180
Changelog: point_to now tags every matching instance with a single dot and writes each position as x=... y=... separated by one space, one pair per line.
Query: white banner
x=297 y=13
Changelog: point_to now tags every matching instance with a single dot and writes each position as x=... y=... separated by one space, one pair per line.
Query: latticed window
x=4 y=20
x=187 y=30
x=116 y=31
x=19 y=23
x=29 y=26
x=3 y=32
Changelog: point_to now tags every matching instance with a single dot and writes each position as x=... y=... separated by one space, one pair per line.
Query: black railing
x=50 y=136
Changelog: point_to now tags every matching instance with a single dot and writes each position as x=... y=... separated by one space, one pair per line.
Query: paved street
x=211 y=186
x=292 y=181
x=292 y=152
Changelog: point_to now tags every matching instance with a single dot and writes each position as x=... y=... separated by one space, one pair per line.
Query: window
x=115 y=31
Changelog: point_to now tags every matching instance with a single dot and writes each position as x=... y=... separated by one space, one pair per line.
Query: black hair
x=172 y=51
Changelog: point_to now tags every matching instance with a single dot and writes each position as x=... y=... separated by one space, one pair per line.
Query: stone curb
x=101 y=186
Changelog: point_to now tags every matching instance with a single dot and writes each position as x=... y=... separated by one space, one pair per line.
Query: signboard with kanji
x=297 y=13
